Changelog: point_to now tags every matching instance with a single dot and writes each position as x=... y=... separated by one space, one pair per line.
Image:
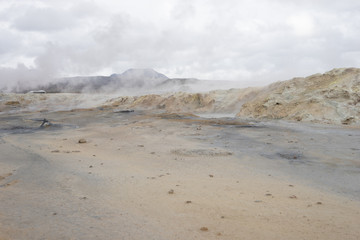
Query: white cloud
x=248 y=41
x=9 y=42
x=302 y=24
x=43 y=20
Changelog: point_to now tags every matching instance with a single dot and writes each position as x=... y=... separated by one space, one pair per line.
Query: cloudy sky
x=254 y=42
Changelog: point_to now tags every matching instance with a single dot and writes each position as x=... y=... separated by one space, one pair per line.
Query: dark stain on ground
x=293 y=157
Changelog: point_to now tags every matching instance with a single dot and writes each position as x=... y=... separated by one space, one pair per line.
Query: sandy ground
x=141 y=176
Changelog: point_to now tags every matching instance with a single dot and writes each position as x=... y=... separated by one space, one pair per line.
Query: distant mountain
x=137 y=79
x=132 y=81
x=91 y=84
x=139 y=75
x=129 y=80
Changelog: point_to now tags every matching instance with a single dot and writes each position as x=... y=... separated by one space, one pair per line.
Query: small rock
x=91 y=166
x=222 y=217
x=55 y=151
x=171 y=191
x=293 y=197
x=45 y=123
x=187 y=202
x=204 y=229
x=82 y=140
x=319 y=203
x=290 y=185
x=268 y=194
x=210 y=175
x=140 y=145
x=257 y=201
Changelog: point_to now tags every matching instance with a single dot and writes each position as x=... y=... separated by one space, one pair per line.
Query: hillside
x=218 y=101
x=332 y=97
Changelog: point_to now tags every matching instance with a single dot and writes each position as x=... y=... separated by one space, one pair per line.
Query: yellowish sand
x=144 y=179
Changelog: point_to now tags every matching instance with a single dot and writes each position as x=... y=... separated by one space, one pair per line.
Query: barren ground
x=146 y=176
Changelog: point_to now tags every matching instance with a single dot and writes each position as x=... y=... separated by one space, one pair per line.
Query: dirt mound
x=219 y=101
x=30 y=102
x=332 y=97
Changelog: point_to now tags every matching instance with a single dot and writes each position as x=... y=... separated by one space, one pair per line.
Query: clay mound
x=29 y=102
x=219 y=101
x=332 y=97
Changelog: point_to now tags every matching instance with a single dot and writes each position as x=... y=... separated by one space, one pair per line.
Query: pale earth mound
x=332 y=97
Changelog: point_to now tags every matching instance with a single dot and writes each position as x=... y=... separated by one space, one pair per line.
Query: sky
x=253 y=42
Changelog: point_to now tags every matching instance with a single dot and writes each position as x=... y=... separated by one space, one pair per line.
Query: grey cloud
x=253 y=42
x=44 y=19
x=183 y=9
x=20 y=77
x=9 y=42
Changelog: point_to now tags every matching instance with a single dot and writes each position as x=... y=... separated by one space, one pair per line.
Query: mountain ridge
x=133 y=81
x=332 y=97
x=131 y=78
